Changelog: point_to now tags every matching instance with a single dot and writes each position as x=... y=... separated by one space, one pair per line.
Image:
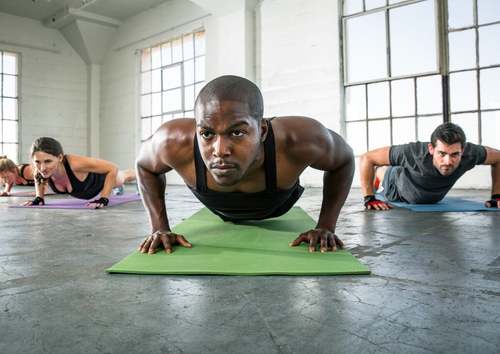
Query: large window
x=9 y=116
x=172 y=74
x=410 y=65
x=474 y=68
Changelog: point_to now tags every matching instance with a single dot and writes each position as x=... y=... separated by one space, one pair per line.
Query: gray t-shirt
x=414 y=179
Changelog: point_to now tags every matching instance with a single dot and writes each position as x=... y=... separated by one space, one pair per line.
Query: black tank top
x=87 y=189
x=240 y=206
x=29 y=182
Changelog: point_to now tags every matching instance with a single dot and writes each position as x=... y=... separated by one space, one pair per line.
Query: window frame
x=477 y=68
x=17 y=143
x=443 y=31
x=166 y=115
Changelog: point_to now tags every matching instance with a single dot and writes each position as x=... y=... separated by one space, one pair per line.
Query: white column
x=93 y=109
x=231 y=41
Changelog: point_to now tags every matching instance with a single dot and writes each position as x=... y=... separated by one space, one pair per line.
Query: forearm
x=152 y=189
x=40 y=189
x=336 y=186
x=495 y=178
x=367 y=173
x=109 y=183
x=7 y=187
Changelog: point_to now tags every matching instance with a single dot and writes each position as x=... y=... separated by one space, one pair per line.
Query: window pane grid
x=454 y=30
x=466 y=14
x=171 y=74
x=391 y=124
x=354 y=8
x=9 y=105
x=473 y=69
x=473 y=92
x=394 y=103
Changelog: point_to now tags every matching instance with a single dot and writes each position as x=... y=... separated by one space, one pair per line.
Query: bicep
x=90 y=164
x=151 y=159
x=378 y=157
x=492 y=156
x=333 y=152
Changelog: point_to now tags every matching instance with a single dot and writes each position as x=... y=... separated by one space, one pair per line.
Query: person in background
x=12 y=174
x=79 y=176
x=423 y=173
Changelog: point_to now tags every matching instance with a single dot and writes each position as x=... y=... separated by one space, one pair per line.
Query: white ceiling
x=44 y=9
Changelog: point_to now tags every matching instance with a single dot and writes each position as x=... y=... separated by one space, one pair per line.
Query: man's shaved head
x=233 y=88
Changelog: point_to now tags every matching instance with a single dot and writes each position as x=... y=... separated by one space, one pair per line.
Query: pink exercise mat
x=73 y=203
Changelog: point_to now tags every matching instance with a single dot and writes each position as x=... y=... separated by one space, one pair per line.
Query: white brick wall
x=52 y=85
x=119 y=109
x=299 y=62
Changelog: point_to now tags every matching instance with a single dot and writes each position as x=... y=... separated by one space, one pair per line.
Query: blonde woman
x=12 y=174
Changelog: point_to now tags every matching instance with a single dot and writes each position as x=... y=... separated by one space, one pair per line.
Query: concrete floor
x=435 y=287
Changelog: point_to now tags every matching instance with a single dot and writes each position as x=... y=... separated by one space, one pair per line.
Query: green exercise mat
x=249 y=248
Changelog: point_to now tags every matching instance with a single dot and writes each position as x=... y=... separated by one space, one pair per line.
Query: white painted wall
x=120 y=131
x=218 y=32
x=298 y=62
x=52 y=86
x=93 y=109
x=230 y=44
x=231 y=37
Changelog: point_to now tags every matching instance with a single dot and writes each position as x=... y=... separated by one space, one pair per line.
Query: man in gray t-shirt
x=425 y=172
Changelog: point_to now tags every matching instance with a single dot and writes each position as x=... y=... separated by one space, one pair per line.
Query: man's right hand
x=4 y=194
x=372 y=203
x=165 y=239
x=494 y=202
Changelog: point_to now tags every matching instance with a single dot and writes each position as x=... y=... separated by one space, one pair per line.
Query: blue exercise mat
x=448 y=204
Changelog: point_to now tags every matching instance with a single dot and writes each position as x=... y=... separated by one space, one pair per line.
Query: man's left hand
x=327 y=240
x=98 y=203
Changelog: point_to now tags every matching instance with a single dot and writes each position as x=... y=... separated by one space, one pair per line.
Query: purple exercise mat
x=25 y=194
x=20 y=194
x=73 y=203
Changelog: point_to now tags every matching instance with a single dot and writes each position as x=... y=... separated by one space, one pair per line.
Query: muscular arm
x=311 y=144
x=151 y=171
x=338 y=163
x=367 y=163
x=493 y=159
x=171 y=147
x=307 y=143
